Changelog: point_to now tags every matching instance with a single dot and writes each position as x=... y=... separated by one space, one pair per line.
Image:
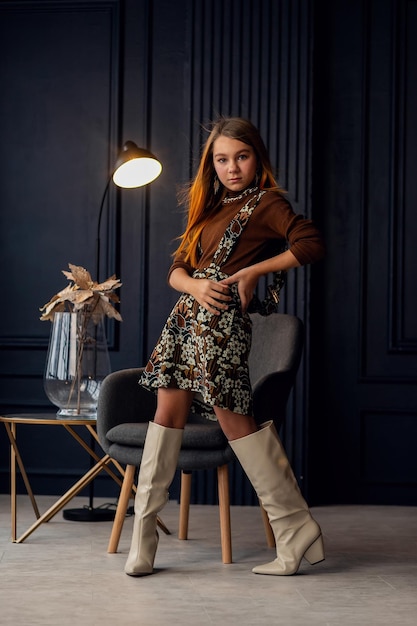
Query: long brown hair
x=200 y=198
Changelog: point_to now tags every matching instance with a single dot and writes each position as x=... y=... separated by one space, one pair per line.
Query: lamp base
x=89 y=514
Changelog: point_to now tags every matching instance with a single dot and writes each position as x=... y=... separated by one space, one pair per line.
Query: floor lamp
x=135 y=167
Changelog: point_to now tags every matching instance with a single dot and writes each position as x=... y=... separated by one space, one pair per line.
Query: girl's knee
x=173 y=408
x=169 y=421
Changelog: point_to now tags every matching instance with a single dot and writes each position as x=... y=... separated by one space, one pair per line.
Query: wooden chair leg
x=185 y=496
x=122 y=505
x=270 y=538
x=224 y=510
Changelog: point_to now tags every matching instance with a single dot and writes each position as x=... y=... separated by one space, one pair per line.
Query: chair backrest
x=277 y=345
x=122 y=401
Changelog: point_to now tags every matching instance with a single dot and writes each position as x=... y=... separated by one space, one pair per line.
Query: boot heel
x=315 y=552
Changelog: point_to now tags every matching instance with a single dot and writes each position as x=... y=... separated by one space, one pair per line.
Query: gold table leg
x=68 y=495
x=91 y=452
x=15 y=457
x=16 y=460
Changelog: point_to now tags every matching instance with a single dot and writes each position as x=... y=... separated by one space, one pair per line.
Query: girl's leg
x=157 y=469
x=173 y=407
x=235 y=425
x=263 y=458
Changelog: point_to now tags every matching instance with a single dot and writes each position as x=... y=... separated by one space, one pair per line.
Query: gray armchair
x=125 y=408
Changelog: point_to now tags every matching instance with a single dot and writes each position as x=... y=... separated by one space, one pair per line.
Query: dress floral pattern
x=207 y=353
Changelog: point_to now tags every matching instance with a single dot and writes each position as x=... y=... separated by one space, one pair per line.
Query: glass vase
x=76 y=364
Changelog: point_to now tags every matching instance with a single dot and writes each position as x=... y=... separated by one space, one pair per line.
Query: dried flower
x=84 y=295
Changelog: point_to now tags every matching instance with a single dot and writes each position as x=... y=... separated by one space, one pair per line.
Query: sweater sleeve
x=179 y=262
x=305 y=240
x=302 y=236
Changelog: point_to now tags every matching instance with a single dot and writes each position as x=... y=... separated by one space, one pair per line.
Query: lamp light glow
x=135 y=167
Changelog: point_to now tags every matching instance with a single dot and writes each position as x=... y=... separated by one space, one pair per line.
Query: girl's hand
x=246 y=280
x=211 y=295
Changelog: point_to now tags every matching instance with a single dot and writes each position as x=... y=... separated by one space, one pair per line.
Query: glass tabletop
x=45 y=418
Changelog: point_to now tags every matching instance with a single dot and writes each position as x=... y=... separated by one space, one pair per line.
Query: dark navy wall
x=330 y=84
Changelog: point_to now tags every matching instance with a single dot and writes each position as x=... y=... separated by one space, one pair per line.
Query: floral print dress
x=206 y=353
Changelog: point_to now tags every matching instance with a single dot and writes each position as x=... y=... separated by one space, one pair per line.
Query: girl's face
x=235 y=163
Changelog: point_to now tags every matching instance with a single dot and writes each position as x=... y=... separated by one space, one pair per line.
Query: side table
x=11 y=422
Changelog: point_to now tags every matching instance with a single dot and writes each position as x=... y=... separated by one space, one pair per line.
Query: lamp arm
x=106 y=189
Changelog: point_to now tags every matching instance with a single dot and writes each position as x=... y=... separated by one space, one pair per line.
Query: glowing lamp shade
x=135 y=167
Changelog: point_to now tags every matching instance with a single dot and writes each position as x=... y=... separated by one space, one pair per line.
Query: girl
x=238 y=220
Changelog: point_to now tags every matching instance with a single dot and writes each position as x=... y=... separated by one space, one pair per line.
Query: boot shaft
x=157 y=469
x=158 y=465
x=265 y=463
x=263 y=458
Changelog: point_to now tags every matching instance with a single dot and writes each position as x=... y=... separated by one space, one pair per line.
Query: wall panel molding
x=59 y=113
x=403 y=322
x=364 y=383
x=389 y=231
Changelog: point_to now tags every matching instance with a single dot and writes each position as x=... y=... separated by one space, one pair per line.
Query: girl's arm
x=247 y=278
x=213 y=296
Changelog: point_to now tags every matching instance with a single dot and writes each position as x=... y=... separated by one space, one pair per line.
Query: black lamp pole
x=130 y=151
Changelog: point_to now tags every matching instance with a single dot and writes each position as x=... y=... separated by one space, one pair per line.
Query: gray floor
x=61 y=575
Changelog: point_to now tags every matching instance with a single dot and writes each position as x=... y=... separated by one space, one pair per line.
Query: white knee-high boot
x=297 y=534
x=157 y=469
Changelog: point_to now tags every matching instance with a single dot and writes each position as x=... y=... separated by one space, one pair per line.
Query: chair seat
x=196 y=436
x=204 y=445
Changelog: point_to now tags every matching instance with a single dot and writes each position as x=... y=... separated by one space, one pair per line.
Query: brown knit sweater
x=272 y=225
